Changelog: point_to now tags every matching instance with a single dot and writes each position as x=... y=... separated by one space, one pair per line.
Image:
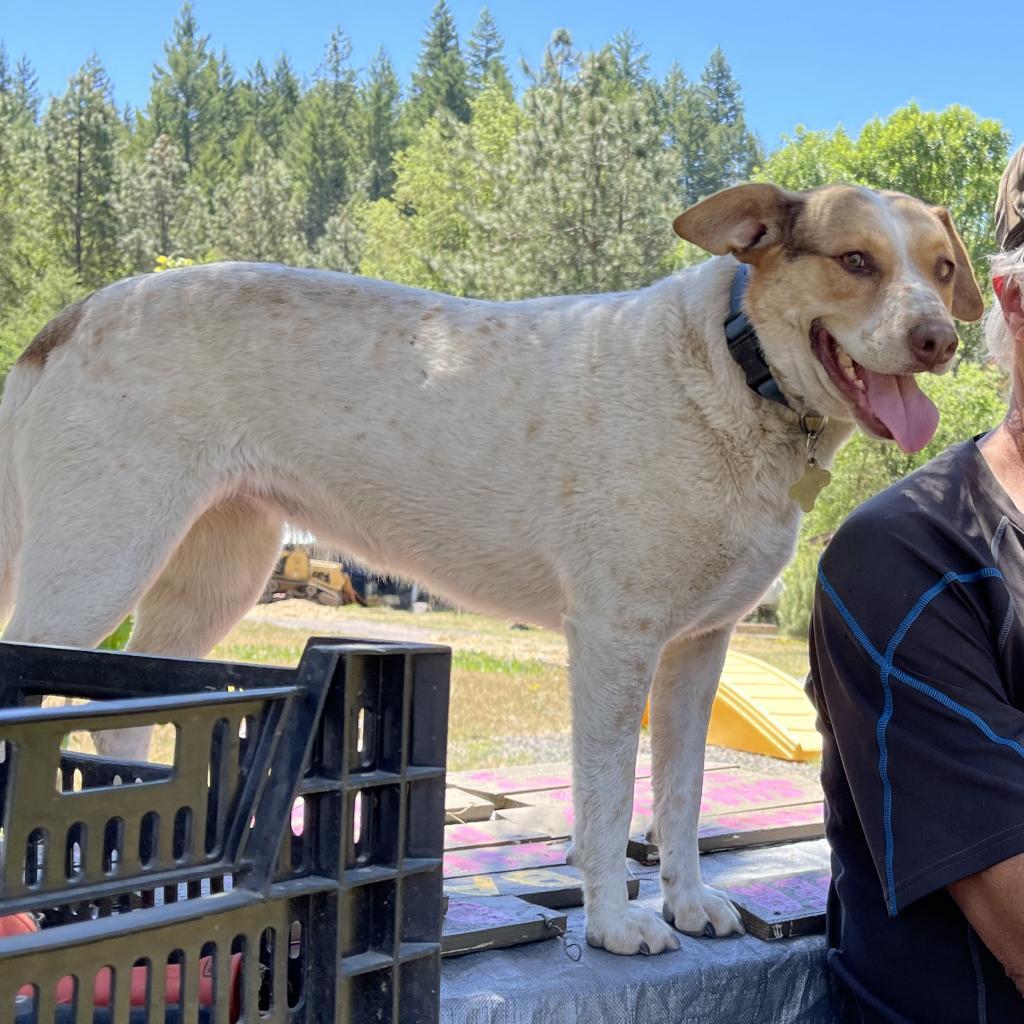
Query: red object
x=22 y=924
x=172 y=985
x=998 y=284
x=17 y=924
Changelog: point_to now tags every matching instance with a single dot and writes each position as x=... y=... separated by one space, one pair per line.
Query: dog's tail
x=17 y=387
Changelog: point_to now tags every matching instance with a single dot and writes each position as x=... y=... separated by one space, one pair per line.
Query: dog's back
x=355 y=407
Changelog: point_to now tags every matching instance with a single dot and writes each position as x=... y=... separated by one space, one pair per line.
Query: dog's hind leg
x=88 y=558
x=610 y=668
x=94 y=544
x=683 y=691
x=212 y=579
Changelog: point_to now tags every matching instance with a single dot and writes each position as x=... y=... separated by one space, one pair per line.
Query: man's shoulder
x=920 y=520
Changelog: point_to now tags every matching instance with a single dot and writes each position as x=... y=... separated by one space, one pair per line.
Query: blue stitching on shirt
x=997 y=538
x=848 y=618
x=887 y=669
x=1004 y=633
x=947 y=702
x=929 y=595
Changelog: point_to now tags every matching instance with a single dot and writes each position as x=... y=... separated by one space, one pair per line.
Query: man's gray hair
x=998 y=338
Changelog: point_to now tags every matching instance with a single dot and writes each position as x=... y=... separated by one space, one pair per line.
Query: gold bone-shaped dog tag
x=806 y=490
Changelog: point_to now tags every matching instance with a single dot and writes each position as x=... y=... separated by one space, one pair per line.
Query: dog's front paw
x=700 y=910
x=629 y=931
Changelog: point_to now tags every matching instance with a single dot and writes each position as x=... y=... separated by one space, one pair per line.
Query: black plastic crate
x=285 y=867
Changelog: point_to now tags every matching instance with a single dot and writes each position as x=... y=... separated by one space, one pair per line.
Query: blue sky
x=797 y=63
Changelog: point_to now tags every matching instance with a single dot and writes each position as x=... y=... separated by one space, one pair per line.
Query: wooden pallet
x=766 y=826
x=461 y=807
x=783 y=906
x=492 y=833
x=472 y=925
x=489 y=860
x=521 y=851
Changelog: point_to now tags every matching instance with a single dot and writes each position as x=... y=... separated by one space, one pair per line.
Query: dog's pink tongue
x=902 y=406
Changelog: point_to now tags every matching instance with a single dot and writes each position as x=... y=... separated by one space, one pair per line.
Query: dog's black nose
x=933 y=341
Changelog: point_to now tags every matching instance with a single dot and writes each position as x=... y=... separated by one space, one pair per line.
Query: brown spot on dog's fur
x=59 y=330
x=531 y=430
x=568 y=487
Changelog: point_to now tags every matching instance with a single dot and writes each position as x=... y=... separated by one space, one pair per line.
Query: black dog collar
x=744 y=346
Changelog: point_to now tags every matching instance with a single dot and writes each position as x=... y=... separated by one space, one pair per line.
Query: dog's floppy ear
x=744 y=220
x=968 y=305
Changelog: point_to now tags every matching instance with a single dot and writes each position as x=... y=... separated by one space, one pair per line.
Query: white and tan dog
x=591 y=463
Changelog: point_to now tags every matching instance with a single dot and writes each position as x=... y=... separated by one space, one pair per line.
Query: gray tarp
x=709 y=981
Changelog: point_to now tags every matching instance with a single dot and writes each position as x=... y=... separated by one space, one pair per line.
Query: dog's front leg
x=610 y=674
x=683 y=691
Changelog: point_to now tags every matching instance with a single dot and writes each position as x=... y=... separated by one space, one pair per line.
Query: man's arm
x=993 y=901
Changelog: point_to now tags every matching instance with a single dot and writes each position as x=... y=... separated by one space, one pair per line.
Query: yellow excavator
x=298 y=575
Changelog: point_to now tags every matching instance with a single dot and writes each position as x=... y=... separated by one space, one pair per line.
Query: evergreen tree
x=631 y=61
x=19 y=89
x=381 y=111
x=440 y=81
x=430 y=234
x=728 y=151
x=485 y=61
x=31 y=271
x=322 y=157
x=19 y=110
x=341 y=245
x=81 y=129
x=256 y=217
x=585 y=198
x=282 y=101
x=213 y=159
x=6 y=72
x=721 y=91
x=182 y=90
x=26 y=88
x=572 y=193
x=151 y=204
x=266 y=103
x=19 y=106
x=682 y=114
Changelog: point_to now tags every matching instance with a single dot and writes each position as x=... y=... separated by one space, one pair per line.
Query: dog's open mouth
x=887 y=405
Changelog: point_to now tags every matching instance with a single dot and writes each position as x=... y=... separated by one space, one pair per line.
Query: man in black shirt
x=917 y=672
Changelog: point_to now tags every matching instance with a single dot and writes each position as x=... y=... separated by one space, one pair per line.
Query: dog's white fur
x=590 y=463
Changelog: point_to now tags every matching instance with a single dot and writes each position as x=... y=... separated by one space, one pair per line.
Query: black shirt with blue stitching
x=917 y=673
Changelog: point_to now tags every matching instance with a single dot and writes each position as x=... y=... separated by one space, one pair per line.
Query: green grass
x=783 y=652
x=265 y=653
x=481 y=661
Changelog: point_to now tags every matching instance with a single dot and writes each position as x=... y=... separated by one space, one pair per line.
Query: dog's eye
x=856 y=262
x=944 y=271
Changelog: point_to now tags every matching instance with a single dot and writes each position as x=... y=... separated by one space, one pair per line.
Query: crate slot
x=113 y=844
x=75 y=780
x=369 y=914
x=421 y=910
